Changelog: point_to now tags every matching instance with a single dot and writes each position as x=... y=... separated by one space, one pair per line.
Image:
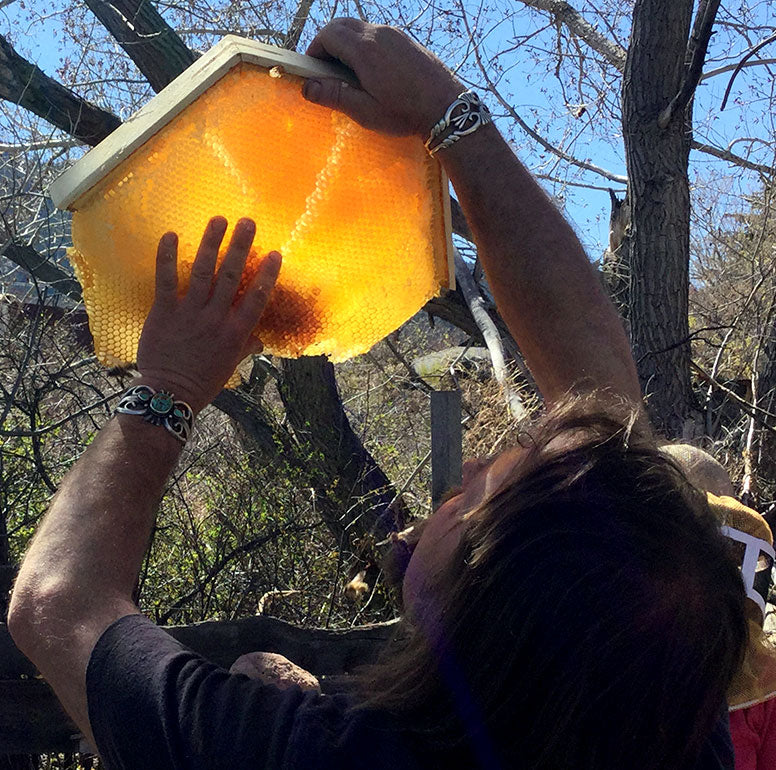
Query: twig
x=736 y=160
x=414 y=376
x=533 y=134
x=741 y=64
x=579 y=26
x=751 y=409
x=221 y=563
x=63 y=421
x=48 y=144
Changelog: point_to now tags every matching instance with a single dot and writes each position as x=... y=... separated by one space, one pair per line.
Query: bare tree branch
x=22 y=83
x=743 y=61
x=736 y=160
x=297 y=25
x=411 y=371
x=759 y=414
x=42 y=269
x=562 y=154
x=223 y=31
x=151 y=43
x=730 y=67
x=245 y=547
x=613 y=53
x=696 y=53
x=46 y=144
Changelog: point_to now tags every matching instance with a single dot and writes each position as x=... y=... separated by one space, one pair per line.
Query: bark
x=154 y=47
x=699 y=44
x=298 y=24
x=21 y=82
x=616 y=267
x=357 y=498
x=32 y=721
x=657 y=160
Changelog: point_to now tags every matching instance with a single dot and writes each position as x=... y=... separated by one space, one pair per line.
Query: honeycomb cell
x=358 y=217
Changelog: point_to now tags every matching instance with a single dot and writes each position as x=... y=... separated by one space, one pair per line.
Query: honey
x=359 y=218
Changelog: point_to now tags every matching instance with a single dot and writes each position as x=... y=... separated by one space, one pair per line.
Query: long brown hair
x=591 y=618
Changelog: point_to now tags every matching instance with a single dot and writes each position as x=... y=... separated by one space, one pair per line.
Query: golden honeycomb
x=358 y=217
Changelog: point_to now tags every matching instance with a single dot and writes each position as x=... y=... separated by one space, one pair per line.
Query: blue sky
x=534 y=90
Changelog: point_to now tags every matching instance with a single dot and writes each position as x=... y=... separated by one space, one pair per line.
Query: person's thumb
x=339 y=95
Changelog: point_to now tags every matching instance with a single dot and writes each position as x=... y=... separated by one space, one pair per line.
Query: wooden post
x=445 y=442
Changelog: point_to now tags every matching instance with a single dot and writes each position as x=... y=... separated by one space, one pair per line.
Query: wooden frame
x=172 y=100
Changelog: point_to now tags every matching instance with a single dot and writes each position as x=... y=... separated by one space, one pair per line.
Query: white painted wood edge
x=231 y=50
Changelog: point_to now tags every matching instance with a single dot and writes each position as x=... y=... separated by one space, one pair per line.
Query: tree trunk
x=657 y=161
x=154 y=46
x=356 y=497
x=23 y=83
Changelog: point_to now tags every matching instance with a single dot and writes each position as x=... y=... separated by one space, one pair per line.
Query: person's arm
x=544 y=285
x=80 y=571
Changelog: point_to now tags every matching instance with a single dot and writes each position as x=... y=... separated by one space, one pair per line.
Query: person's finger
x=230 y=272
x=339 y=40
x=166 y=287
x=256 y=296
x=339 y=95
x=201 y=278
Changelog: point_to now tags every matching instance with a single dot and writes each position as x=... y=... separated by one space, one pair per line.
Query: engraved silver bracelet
x=464 y=116
x=159 y=408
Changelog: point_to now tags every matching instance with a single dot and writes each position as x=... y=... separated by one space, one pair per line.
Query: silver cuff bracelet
x=464 y=116
x=158 y=408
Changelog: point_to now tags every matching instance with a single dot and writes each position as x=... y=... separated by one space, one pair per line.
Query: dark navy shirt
x=156 y=705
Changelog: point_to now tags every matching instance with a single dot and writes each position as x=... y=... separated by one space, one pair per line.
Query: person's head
x=749 y=537
x=583 y=613
x=701 y=469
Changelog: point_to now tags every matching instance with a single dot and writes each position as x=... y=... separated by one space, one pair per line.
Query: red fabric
x=753 y=731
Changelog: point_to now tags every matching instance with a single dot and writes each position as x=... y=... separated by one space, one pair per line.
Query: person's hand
x=191 y=345
x=404 y=90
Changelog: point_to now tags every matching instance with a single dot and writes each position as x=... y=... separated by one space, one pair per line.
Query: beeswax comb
x=362 y=220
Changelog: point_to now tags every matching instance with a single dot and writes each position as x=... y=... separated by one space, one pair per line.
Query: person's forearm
x=545 y=287
x=90 y=546
x=80 y=571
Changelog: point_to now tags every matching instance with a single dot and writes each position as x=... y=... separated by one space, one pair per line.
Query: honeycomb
x=358 y=217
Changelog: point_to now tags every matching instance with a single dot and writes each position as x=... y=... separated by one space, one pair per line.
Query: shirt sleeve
x=153 y=703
